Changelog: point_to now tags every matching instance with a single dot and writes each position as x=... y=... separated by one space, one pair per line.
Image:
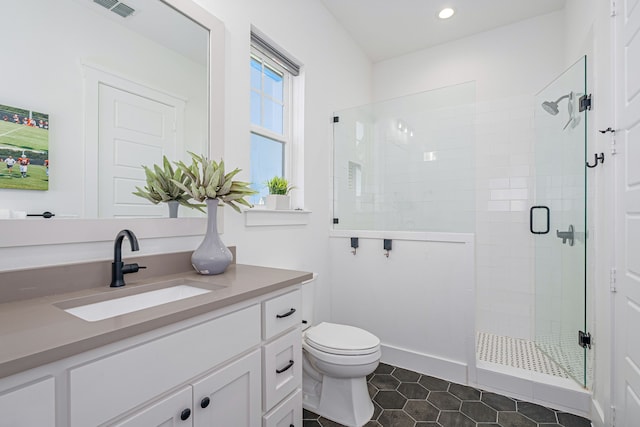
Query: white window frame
x=288 y=137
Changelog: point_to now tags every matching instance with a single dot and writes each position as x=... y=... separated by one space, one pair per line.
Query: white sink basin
x=123 y=305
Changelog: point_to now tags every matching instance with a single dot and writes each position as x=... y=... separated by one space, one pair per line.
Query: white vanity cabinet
x=29 y=405
x=238 y=366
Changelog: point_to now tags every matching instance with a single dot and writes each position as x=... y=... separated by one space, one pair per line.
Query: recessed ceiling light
x=446 y=13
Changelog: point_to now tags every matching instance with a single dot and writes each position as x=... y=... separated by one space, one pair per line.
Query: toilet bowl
x=336 y=360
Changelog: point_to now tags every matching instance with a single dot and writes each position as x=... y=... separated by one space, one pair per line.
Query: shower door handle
x=566 y=235
x=546 y=211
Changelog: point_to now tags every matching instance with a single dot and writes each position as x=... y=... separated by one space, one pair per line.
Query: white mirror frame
x=65 y=230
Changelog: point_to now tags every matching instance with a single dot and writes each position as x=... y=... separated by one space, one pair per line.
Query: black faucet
x=119 y=268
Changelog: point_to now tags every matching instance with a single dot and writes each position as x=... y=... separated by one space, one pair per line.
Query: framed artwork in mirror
x=24 y=149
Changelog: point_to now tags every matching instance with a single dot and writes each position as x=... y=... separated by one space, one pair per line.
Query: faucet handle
x=131 y=268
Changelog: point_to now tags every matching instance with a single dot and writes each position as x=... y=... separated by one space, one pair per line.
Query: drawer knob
x=287 y=314
x=286 y=368
x=185 y=414
x=205 y=402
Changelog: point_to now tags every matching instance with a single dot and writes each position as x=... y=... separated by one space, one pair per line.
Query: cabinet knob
x=205 y=402
x=185 y=414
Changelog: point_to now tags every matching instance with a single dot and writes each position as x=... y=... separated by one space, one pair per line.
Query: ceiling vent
x=116 y=7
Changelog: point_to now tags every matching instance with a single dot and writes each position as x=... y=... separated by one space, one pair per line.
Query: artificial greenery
x=279 y=185
x=208 y=181
x=162 y=185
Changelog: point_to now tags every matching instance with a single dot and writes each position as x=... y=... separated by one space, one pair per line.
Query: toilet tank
x=308 y=299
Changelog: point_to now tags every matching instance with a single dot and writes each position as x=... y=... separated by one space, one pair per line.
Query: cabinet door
x=32 y=405
x=174 y=410
x=230 y=396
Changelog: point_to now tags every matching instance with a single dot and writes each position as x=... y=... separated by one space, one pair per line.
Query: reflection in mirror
x=121 y=92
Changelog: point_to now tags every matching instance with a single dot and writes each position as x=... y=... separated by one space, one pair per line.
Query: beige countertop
x=37 y=331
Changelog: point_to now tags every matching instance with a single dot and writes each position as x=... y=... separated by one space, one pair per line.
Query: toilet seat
x=341 y=340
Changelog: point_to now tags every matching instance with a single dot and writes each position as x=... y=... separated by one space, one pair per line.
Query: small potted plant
x=278 y=197
x=161 y=187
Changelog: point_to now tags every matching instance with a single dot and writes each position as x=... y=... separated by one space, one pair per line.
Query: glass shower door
x=560 y=194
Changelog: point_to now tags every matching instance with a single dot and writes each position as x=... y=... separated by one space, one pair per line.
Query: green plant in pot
x=162 y=187
x=208 y=183
x=278 y=197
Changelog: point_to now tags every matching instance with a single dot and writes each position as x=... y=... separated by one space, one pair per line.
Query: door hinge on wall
x=584 y=103
x=612 y=11
x=584 y=339
x=612 y=280
x=612 y=416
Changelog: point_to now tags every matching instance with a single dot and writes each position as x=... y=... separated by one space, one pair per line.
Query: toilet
x=336 y=361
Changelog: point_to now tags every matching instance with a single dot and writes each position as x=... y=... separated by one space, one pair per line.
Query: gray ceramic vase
x=212 y=256
x=173 y=208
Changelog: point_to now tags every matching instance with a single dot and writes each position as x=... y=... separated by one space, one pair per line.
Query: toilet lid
x=341 y=339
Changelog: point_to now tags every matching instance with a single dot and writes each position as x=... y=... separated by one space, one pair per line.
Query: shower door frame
x=560 y=249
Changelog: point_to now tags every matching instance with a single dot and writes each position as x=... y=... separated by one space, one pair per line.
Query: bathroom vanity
x=230 y=356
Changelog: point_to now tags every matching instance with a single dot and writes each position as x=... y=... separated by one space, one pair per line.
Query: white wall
x=419 y=301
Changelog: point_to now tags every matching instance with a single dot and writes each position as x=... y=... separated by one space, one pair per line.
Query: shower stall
x=508 y=172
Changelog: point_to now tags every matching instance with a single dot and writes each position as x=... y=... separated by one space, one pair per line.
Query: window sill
x=264 y=217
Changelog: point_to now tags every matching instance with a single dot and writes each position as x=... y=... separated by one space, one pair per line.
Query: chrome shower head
x=551 y=107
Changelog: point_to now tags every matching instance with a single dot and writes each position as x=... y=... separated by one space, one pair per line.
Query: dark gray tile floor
x=403 y=398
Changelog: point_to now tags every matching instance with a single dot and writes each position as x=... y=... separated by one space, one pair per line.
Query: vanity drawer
x=282 y=362
x=286 y=414
x=281 y=313
x=134 y=376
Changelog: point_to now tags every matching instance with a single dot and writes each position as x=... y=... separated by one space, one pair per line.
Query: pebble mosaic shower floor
x=403 y=398
x=517 y=353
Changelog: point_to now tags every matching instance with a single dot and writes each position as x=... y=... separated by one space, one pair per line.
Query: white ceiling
x=388 y=28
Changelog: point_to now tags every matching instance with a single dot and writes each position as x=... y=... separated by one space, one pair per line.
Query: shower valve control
x=566 y=236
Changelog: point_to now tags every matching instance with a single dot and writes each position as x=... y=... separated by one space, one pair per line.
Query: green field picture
x=24 y=149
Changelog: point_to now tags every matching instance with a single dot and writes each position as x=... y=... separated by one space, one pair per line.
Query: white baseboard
x=450 y=370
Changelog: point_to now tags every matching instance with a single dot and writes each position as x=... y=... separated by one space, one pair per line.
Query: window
x=271 y=115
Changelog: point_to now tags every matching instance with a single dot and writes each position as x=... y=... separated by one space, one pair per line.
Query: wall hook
x=386 y=245
x=607 y=130
x=598 y=158
x=354 y=244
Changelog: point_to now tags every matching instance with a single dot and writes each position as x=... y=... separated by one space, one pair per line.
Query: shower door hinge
x=612 y=280
x=612 y=416
x=585 y=103
x=584 y=339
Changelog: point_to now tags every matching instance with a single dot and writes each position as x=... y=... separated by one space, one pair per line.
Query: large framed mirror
x=121 y=92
